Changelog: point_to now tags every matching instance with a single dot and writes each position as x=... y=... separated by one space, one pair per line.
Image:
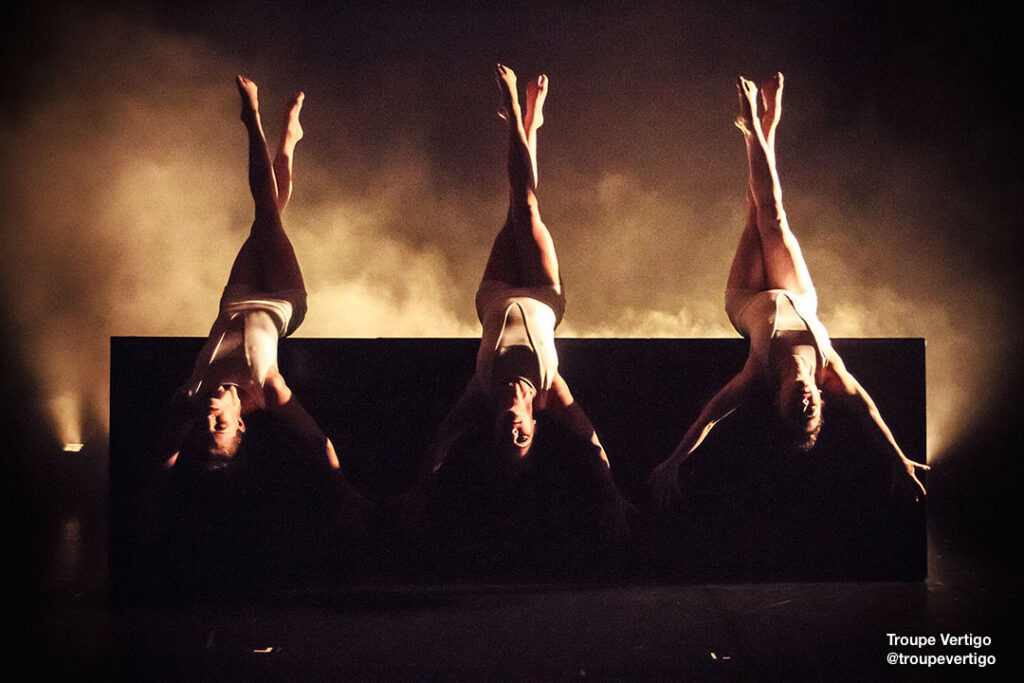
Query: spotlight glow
x=73 y=447
x=65 y=409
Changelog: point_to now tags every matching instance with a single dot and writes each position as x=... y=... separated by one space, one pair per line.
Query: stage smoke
x=124 y=178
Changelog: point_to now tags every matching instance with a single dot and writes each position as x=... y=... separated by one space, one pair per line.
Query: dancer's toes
x=295 y=104
x=772 y=89
x=536 y=93
x=247 y=89
x=293 y=129
x=506 y=77
x=771 y=95
x=507 y=85
x=747 y=91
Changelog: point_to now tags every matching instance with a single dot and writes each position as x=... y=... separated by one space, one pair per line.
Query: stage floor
x=825 y=631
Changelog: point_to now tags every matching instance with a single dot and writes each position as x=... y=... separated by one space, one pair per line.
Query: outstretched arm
x=179 y=418
x=564 y=408
x=349 y=508
x=843 y=385
x=460 y=418
x=664 y=480
x=282 y=403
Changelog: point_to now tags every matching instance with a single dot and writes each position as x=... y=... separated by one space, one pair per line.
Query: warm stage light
x=66 y=410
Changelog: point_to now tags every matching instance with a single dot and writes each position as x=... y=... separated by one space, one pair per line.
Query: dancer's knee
x=771 y=221
x=524 y=211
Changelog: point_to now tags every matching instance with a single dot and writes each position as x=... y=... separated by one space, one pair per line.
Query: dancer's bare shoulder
x=276 y=391
x=837 y=380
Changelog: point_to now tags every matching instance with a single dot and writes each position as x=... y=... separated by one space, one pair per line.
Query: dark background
x=900 y=156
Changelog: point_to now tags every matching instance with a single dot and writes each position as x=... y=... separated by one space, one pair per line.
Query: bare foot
x=250 y=103
x=747 y=121
x=283 y=158
x=771 y=95
x=536 y=93
x=292 y=128
x=509 y=97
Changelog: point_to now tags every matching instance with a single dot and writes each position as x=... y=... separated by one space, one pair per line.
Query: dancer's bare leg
x=533 y=118
x=783 y=262
x=262 y=184
x=266 y=262
x=747 y=270
x=286 y=151
x=524 y=246
x=771 y=98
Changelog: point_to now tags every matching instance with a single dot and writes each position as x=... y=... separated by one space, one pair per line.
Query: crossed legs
x=523 y=253
x=768 y=255
x=266 y=261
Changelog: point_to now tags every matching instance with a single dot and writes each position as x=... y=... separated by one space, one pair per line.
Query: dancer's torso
x=518 y=345
x=240 y=351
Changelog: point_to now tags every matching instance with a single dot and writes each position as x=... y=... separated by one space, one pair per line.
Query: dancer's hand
x=910 y=467
x=408 y=508
x=664 y=483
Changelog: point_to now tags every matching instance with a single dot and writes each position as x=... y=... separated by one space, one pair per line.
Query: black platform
x=749 y=514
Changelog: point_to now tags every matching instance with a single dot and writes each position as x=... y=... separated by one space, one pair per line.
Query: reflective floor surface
x=66 y=628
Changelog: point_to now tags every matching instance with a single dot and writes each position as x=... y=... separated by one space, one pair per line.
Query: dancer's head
x=223 y=423
x=799 y=405
x=514 y=424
